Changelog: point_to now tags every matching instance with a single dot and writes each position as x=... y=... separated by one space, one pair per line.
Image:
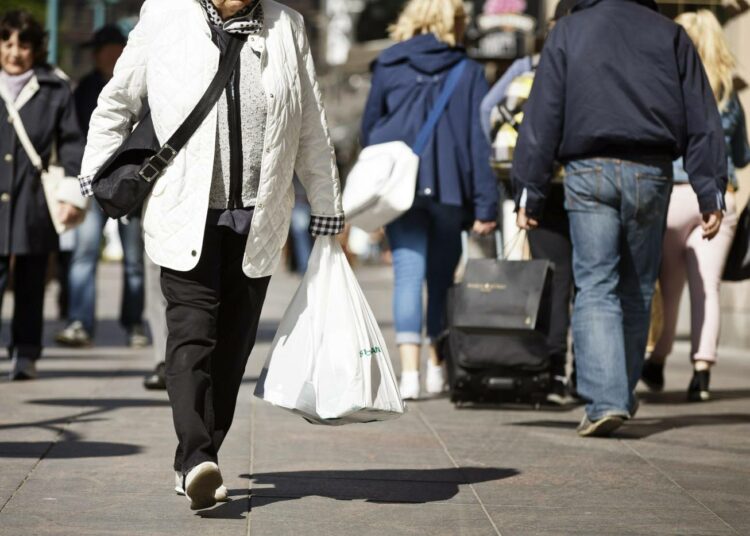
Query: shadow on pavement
x=46 y=374
x=65 y=450
x=641 y=428
x=680 y=397
x=410 y=486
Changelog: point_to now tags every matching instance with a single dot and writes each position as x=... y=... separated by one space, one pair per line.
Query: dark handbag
x=738 y=262
x=125 y=180
x=498 y=317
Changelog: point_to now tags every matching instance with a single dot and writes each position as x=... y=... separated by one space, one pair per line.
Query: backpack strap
x=451 y=83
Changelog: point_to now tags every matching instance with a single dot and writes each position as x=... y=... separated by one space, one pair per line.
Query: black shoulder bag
x=126 y=179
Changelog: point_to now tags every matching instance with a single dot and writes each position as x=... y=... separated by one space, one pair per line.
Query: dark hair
x=29 y=31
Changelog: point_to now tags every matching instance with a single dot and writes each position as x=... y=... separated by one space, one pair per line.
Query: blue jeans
x=301 y=238
x=82 y=278
x=617 y=212
x=426 y=244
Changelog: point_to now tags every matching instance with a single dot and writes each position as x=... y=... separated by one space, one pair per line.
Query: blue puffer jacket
x=407 y=80
x=735 y=135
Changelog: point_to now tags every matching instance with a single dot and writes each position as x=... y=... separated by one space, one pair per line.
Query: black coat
x=48 y=116
x=616 y=78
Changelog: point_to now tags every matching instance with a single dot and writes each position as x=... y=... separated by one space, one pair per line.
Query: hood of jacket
x=585 y=4
x=424 y=53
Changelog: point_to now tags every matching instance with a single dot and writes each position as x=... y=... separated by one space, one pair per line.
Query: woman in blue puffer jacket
x=455 y=185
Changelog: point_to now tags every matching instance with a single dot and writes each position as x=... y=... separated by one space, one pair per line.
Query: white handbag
x=382 y=184
x=57 y=187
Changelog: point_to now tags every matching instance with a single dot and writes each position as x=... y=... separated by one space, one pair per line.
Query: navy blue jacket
x=407 y=80
x=616 y=78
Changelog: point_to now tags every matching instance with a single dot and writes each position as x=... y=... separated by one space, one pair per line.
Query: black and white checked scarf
x=247 y=21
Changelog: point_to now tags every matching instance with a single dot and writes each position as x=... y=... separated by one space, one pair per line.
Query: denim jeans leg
x=646 y=193
x=133 y=288
x=301 y=239
x=82 y=276
x=593 y=202
x=408 y=240
x=443 y=254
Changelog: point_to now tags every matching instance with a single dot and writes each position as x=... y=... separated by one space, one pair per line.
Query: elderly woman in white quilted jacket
x=217 y=219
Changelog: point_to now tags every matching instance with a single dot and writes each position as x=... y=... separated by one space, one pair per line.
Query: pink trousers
x=687 y=256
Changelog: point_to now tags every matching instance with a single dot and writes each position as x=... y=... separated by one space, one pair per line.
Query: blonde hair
x=705 y=31
x=437 y=17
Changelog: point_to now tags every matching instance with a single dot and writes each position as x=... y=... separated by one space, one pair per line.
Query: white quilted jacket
x=170 y=59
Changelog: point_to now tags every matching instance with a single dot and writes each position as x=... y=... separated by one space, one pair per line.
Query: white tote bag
x=328 y=362
x=382 y=184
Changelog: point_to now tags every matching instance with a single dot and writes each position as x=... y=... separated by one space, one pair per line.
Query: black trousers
x=28 y=321
x=212 y=319
x=551 y=241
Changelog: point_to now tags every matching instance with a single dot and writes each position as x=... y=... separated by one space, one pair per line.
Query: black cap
x=107 y=35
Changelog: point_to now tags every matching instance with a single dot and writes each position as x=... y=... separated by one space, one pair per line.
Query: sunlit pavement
x=85 y=450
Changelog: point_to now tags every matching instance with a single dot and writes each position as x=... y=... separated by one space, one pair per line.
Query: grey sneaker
x=75 y=336
x=137 y=337
x=22 y=368
x=600 y=428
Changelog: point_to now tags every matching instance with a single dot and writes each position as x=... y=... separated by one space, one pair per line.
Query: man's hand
x=70 y=215
x=483 y=227
x=524 y=222
x=711 y=223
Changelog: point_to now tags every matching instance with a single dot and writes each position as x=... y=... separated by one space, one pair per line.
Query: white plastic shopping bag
x=328 y=361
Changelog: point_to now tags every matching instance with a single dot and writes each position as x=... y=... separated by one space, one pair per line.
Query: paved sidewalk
x=86 y=451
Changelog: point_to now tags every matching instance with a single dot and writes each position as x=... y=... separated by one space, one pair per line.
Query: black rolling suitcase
x=495 y=344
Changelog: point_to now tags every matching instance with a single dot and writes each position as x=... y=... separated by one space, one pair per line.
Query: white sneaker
x=435 y=381
x=221 y=494
x=22 y=368
x=409 y=385
x=201 y=484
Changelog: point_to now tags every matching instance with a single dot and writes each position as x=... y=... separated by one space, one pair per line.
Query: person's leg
x=239 y=314
x=443 y=254
x=156 y=313
x=192 y=311
x=407 y=237
x=301 y=239
x=28 y=319
x=133 y=293
x=552 y=242
x=63 y=274
x=680 y=223
x=705 y=269
x=82 y=277
x=646 y=192
x=593 y=204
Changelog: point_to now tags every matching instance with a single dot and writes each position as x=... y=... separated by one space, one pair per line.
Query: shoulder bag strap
x=451 y=83
x=23 y=136
x=157 y=163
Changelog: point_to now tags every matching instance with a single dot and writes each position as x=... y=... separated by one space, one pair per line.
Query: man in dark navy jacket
x=619 y=93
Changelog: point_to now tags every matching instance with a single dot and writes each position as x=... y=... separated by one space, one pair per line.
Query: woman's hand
x=524 y=222
x=69 y=214
x=483 y=227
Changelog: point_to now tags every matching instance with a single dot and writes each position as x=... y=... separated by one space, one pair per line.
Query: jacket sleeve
x=542 y=127
x=70 y=143
x=739 y=145
x=120 y=101
x=316 y=159
x=484 y=182
x=497 y=93
x=375 y=108
x=705 y=150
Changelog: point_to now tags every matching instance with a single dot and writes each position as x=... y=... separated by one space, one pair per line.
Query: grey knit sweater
x=253 y=114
